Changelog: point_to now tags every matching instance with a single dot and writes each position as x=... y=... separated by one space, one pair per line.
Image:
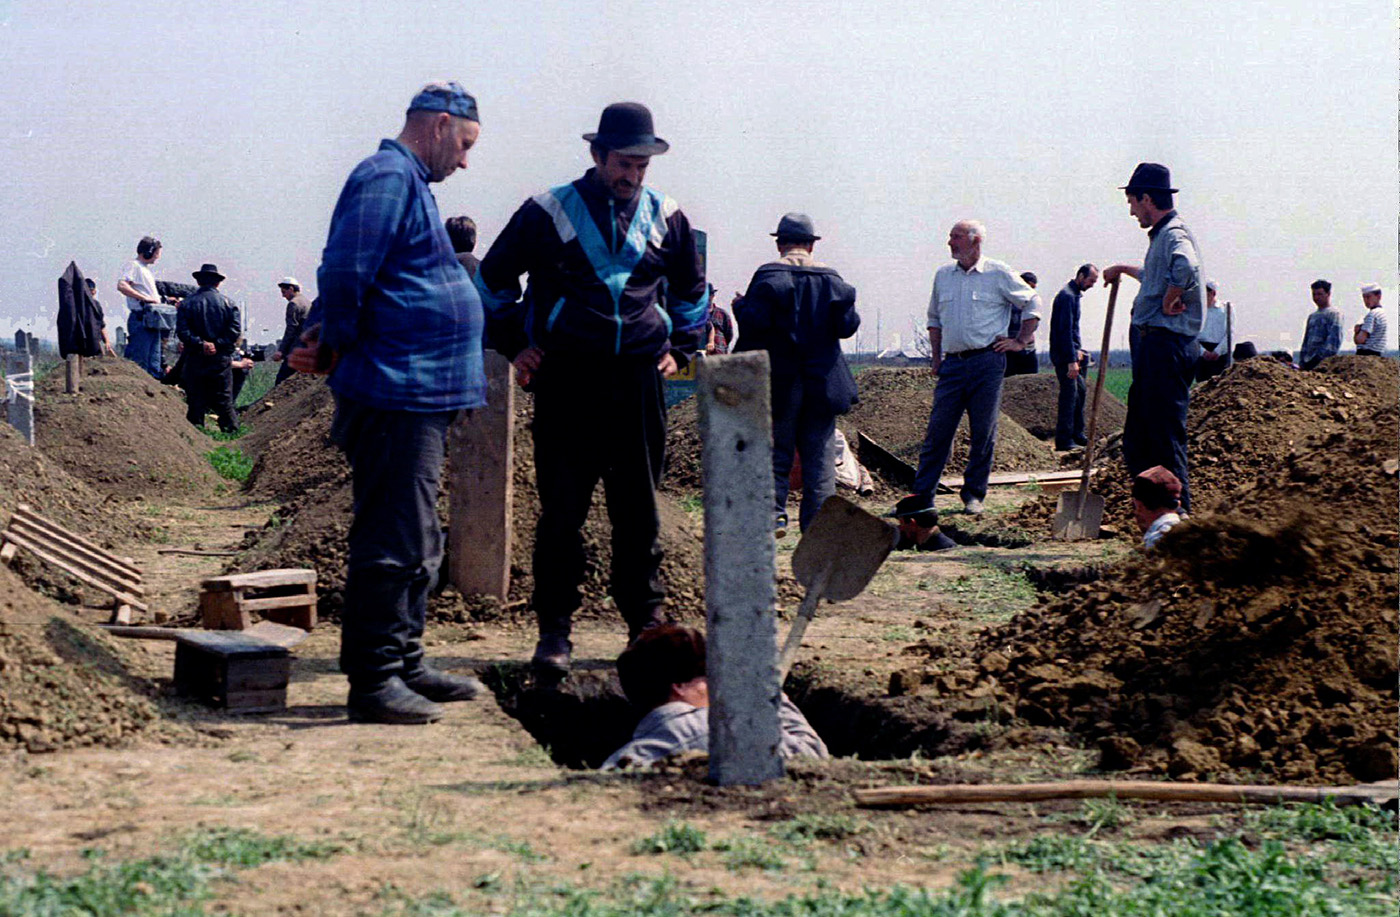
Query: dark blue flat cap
x=797 y=227
x=449 y=97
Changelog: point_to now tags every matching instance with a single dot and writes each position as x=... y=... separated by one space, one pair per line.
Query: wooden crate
x=285 y=596
x=232 y=671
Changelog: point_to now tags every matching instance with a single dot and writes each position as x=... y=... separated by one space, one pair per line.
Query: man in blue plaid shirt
x=398 y=326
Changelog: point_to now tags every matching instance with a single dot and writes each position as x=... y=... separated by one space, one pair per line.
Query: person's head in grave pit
x=918 y=526
x=663 y=673
x=1156 y=499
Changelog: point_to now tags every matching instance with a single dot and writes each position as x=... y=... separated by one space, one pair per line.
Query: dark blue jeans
x=142 y=344
x=970 y=385
x=1164 y=365
x=1069 y=409
x=803 y=423
x=395 y=537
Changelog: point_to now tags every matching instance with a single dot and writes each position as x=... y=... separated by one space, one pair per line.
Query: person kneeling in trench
x=1156 y=503
x=918 y=525
x=663 y=672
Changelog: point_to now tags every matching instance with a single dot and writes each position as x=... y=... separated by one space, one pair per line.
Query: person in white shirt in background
x=1215 y=348
x=138 y=285
x=1371 y=332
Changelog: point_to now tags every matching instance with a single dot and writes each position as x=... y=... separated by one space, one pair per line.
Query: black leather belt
x=964 y=354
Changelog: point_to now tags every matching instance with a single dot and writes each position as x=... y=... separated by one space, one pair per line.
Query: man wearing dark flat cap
x=398 y=326
x=1168 y=313
x=799 y=310
x=208 y=325
x=594 y=339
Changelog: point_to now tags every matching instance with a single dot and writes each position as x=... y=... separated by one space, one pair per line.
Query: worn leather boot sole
x=393 y=703
x=444 y=687
x=392 y=716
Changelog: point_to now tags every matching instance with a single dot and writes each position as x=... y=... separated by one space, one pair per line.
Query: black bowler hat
x=1150 y=176
x=797 y=227
x=1245 y=350
x=208 y=270
x=625 y=128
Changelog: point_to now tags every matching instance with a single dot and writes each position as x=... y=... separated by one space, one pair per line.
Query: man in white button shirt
x=968 y=315
x=1215 y=349
x=138 y=285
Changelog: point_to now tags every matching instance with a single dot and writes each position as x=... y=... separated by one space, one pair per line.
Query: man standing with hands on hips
x=1168 y=312
x=968 y=315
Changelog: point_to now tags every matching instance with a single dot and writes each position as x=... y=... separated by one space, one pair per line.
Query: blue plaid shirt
x=1322 y=337
x=394 y=301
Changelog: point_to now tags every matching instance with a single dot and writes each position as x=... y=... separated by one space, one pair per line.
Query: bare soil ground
x=902 y=682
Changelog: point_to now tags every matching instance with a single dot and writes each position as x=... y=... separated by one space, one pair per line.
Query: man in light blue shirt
x=968 y=315
x=1167 y=316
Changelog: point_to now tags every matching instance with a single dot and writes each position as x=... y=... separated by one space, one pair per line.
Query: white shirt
x=1213 y=330
x=1374 y=326
x=142 y=280
x=973 y=307
x=1159 y=527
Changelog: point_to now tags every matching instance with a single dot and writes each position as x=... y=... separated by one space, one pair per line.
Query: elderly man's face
x=621 y=175
x=1087 y=281
x=1322 y=298
x=447 y=152
x=962 y=243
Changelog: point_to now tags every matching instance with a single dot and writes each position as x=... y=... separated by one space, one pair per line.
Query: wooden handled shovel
x=835 y=559
x=1078 y=515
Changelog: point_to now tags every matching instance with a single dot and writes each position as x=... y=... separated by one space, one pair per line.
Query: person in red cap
x=1156 y=499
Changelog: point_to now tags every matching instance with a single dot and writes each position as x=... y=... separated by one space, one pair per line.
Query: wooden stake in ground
x=736 y=434
x=73 y=374
x=480 y=448
x=901 y=796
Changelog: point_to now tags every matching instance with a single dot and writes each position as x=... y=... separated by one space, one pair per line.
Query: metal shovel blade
x=1072 y=524
x=836 y=559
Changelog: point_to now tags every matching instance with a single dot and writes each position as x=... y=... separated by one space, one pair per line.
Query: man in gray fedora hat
x=208 y=325
x=799 y=310
x=594 y=338
x=1168 y=313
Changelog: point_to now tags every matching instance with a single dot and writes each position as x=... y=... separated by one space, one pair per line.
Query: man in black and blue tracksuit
x=594 y=338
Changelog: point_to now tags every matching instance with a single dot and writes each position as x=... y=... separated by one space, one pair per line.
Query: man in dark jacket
x=1069 y=358
x=208 y=325
x=297 y=310
x=799 y=310
x=593 y=339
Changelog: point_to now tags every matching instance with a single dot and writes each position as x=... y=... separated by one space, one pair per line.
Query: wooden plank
x=145 y=633
x=24 y=511
x=480 y=448
x=121 y=614
x=262 y=674
x=115 y=573
x=230 y=643
x=7 y=551
x=895 y=797
x=302 y=617
x=877 y=458
x=223 y=611
x=278 y=601
x=279 y=634
x=77 y=574
x=260 y=579
x=255 y=701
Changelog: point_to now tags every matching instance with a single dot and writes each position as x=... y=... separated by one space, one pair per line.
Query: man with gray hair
x=968 y=314
x=398 y=326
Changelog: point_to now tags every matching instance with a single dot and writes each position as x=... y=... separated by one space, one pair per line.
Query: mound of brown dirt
x=125 y=434
x=1259 y=641
x=1031 y=401
x=311 y=529
x=61 y=685
x=893 y=410
x=1245 y=423
x=288 y=440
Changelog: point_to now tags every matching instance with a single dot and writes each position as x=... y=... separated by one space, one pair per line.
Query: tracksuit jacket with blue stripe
x=607 y=277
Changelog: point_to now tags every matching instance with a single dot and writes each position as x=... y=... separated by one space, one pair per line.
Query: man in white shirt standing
x=968 y=315
x=1370 y=334
x=1215 y=349
x=138 y=285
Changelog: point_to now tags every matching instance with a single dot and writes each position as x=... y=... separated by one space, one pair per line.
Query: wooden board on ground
x=286 y=596
x=80 y=558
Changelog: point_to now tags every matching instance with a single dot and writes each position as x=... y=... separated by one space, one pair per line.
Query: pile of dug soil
x=1261 y=641
x=61 y=685
x=310 y=530
x=1243 y=424
x=1032 y=401
x=125 y=434
x=893 y=410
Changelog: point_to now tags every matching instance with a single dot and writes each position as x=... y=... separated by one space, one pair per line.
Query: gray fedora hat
x=796 y=226
x=625 y=127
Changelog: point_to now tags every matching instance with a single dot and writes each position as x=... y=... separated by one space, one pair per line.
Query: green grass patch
x=219 y=436
x=992 y=593
x=1115 y=382
x=259 y=382
x=674 y=837
x=231 y=463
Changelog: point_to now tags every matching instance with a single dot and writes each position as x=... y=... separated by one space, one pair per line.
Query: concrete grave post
x=19 y=394
x=736 y=433
x=73 y=374
x=481 y=451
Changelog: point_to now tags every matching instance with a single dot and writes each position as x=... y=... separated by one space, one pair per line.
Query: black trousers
x=1209 y=369
x=208 y=382
x=598 y=418
x=283 y=371
x=1154 y=433
x=396 y=539
x=1022 y=363
x=1069 y=408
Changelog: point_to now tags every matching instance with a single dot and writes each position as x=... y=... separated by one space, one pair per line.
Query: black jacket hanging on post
x=79 y=316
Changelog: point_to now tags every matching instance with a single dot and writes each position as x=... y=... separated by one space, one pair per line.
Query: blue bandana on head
x=449 y=97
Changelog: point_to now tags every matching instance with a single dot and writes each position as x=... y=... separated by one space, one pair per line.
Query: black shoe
x=1081 y=441
x=391 y=702
x=939 y=542
x=551 y=659
x=442 y=687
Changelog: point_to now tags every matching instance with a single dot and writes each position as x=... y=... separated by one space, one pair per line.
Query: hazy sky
x=228 y=129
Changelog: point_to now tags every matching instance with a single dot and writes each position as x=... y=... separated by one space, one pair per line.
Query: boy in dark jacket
x=799 y=310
